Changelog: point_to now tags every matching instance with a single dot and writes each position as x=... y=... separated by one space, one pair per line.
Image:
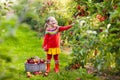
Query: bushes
x=94 y=40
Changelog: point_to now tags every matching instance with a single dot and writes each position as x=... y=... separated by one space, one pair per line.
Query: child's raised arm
x=62 y=28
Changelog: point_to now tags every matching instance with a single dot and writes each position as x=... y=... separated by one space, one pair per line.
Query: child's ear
x=47 y=24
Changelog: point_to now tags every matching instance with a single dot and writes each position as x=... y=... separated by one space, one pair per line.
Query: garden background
x=90 y=49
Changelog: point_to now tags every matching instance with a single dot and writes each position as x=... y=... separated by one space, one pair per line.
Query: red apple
x=29 y=74
x=82 y=14
x=48 y=3
x=78 y=79
x=78 y=7
x=90 y=71
x=42 y=60
x=102 y=19
x=45 y=74
x=79 y=13
x=82 y=10
x=37 y=61
x=101 y=30
x=31 y=61
x=115 y=6
x=36 y=73
x=28 y=60
x=98 y=16
x=40 y=72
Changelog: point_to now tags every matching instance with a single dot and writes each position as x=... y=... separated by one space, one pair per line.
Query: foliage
x=96 y=36
x=36 y=12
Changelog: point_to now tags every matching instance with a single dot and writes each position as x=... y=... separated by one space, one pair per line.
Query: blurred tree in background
x=7 y=31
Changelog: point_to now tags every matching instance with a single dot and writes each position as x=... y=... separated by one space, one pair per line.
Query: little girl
x=52 y=41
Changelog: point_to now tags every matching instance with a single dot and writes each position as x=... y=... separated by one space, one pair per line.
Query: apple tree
x=96 y=36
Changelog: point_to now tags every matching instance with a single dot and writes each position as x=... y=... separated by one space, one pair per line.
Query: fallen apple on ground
x=29 y=74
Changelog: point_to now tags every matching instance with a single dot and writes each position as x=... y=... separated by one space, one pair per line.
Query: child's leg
x=56 y=59
x=49 y=56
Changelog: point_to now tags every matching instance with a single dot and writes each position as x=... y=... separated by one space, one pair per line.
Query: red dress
x=52 y=38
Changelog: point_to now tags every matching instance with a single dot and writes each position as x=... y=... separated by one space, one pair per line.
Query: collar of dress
x=52 y=30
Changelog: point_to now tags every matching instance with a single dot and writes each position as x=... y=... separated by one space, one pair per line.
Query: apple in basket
x=30 y=61
x=36 y=61
x=42 y=60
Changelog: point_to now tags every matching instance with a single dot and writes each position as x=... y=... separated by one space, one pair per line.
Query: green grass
x=27 y=44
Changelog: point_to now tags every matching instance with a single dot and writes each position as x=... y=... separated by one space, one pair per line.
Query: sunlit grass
x=27 y=44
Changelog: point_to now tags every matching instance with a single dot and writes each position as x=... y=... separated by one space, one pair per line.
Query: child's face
x=52 y=22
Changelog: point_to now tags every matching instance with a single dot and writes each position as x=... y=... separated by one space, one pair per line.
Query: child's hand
x=45 y=48
x=72 y=24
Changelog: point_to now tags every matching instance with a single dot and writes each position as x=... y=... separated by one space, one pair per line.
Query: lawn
x=26 y=44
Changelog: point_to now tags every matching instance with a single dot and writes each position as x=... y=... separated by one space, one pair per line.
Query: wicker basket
x=35 y=67
x=42 y=67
